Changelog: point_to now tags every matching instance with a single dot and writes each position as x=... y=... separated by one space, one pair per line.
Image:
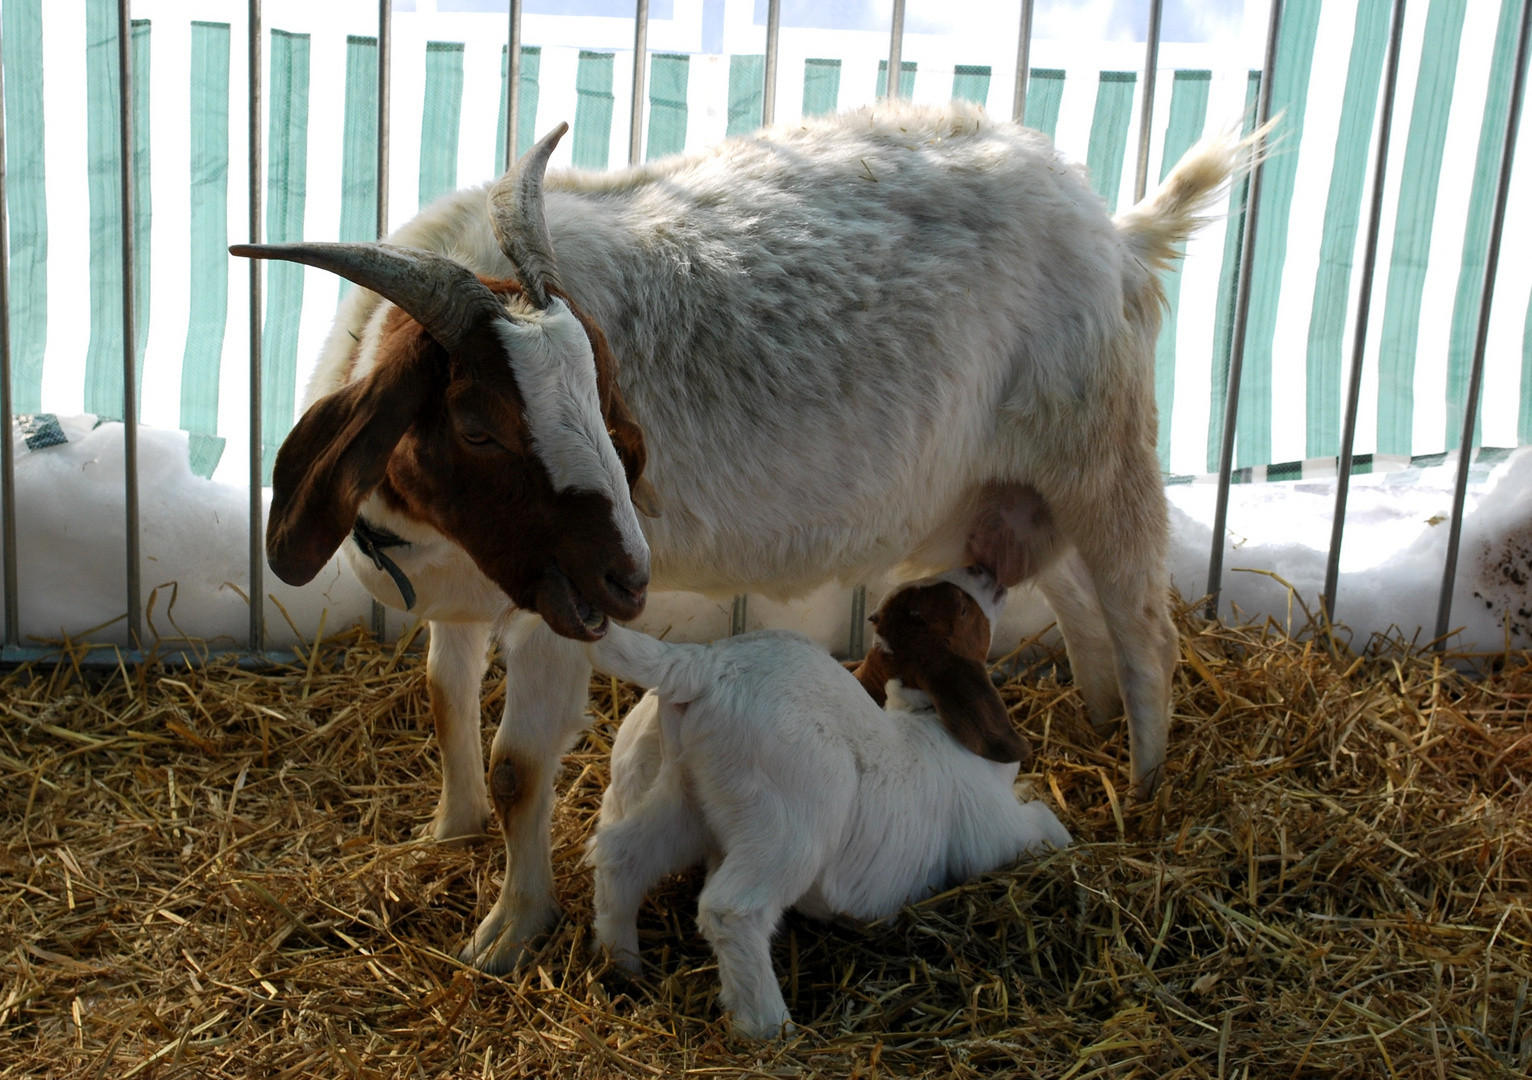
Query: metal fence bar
x=7 y=455
x=1476 y=373
x=1363 y=310
x=385 y=24
x=1146 y=108
x=257 y=506
x=773 y=31
x=1241 y=319
x=129 y=336
x=895 y=47
x=856 y=640
x=640 y=52
x=1023 y=63
x=512 y=82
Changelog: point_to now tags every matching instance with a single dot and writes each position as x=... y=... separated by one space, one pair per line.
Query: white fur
x=837 y=336
x=763 y=756
x=555 y=371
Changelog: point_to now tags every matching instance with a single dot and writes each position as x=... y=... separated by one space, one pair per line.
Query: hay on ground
x=216 y=873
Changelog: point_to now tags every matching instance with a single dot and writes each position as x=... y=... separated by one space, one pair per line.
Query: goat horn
x=516 y=211
x=441 y=295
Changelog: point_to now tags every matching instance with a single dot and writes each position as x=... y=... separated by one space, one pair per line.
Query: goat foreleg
x=455 y=667
x=547 y=684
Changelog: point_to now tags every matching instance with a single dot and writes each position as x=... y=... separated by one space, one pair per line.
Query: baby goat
x=763 y=756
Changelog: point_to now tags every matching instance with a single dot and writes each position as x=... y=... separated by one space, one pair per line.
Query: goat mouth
x=566 y=610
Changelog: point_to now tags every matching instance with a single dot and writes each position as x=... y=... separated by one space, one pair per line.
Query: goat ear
x=628 y=441
x=337 y=454
x=972 y=711
x=874 y=672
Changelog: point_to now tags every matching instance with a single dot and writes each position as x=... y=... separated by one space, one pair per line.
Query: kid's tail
x=656 y=665
x=631 y=656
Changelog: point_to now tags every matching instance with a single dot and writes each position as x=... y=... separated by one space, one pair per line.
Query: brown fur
x=934 y=638
x=508 y=786
x=400 y=430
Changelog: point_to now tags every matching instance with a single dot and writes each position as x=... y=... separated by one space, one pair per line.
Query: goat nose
x=633 y=583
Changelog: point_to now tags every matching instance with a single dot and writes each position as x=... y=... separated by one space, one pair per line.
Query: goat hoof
x=458 y=828
x=764 y=1029
x=503 y=958
x=500 y=944
x=1105 y=725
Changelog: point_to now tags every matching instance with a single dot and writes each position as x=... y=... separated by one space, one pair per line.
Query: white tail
x=1184 y=202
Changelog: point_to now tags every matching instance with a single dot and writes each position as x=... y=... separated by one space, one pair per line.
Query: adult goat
x=847 y=341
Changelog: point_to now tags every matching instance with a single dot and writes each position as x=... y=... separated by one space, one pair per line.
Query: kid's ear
x=874 y=672
x=971 y=709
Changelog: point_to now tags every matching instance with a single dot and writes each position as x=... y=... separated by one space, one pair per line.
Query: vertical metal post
x=856 y=641
x=129 y=335
x=512 y=83
x=1476 y=373
x=1023 y=64
x=257 y=473
x=640 y=57
x=1241 y=319
x=385 y=21
x=773 y=31
x=1146 y=108
x=895 y=47
x=7 y=456
x=1363 y=309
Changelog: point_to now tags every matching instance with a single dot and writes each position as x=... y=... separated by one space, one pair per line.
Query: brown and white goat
x=762 y=756
x=845 y=341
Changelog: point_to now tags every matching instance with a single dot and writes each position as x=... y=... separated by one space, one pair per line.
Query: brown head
x=934 y=636
x=491 y=413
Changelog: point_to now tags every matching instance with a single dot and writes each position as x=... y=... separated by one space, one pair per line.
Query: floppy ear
x=628 y=440
x=337 y=454
x=874 y=672
x=971 y=709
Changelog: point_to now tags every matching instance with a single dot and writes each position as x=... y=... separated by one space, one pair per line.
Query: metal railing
x=255 y=651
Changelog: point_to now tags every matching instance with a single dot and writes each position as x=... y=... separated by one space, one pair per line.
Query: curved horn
x=441 y=295
x=516 y=211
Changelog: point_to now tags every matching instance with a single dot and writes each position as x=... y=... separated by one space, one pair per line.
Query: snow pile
x=69 y=503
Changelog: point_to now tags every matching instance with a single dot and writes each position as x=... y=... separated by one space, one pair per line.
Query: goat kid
x=930 y=299
x=761 y=755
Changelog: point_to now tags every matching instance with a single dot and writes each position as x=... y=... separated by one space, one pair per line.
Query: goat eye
x=475 y=437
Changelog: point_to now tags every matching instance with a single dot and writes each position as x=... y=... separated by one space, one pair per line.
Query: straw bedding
x=215 y=873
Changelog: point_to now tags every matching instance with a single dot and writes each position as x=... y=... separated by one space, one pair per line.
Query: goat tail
x=653 y=664
x=1184 y=201
x=631 y=656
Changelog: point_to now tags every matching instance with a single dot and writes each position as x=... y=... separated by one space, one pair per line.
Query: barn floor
x=213 y=874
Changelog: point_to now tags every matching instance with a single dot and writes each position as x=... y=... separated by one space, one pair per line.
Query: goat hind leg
x=1126 y=566
x=547 y=686
x=1072 y=597
x=660 y=835
x=738 y=921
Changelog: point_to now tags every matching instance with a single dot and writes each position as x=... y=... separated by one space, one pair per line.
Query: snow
x=194 y=538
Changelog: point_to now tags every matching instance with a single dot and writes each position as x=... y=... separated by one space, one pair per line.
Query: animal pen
x=214 y=784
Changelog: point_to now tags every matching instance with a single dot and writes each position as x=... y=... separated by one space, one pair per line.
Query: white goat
x=845 y=341
x=763 y=756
